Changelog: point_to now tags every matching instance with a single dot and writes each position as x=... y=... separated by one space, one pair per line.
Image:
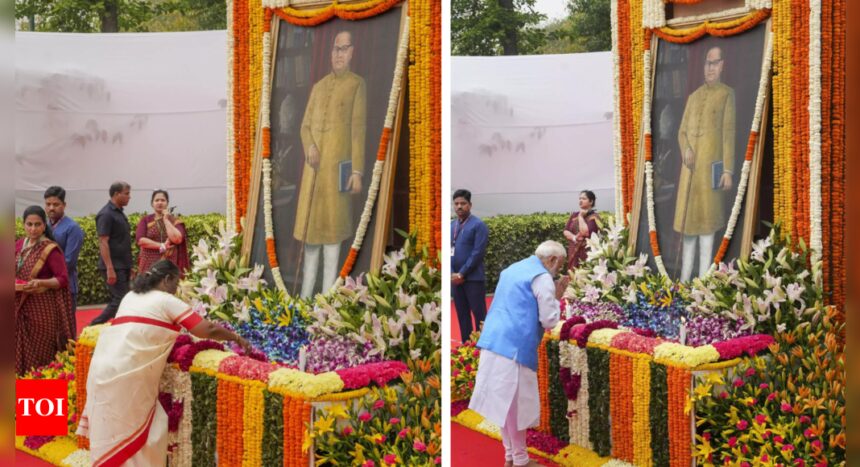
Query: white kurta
x=499 y=378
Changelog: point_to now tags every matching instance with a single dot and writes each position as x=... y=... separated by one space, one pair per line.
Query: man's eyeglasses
x=713 y=62
x=341 y=49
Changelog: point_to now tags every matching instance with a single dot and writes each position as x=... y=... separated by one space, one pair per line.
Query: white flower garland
x=745 y=170
x=78 y=458
x=576 y=359
x=230 y=138
x=616 y=115
x=815 y=241
x=178 y=383
x=379 y=165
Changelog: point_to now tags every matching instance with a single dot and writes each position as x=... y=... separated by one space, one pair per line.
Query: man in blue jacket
x=69 y=236
x=506 y=386
x=469 y=237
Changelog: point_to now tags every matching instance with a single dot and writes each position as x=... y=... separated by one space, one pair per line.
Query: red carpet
x=477 y=449
x=470 y=447
x=84 y=316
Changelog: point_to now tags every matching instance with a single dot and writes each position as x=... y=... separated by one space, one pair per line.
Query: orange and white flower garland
x=654 y=13
x=378 y=167
x=745 y=170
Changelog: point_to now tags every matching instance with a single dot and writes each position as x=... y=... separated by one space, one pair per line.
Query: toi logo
x=41 y=407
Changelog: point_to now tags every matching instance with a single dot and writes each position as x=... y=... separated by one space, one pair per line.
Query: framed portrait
x=330 y=89
x=703 y=105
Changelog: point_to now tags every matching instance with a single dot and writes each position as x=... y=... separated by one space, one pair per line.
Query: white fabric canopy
x=149 y=109
x=530 y=132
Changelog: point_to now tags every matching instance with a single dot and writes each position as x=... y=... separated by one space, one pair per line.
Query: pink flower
x=733 y=441
x=771 y=396
x=394 y=421
x=761 y=419
x=380 y=439
x=403 y=433
x=821 y=464
x=800 y=462
x=419 y=446
x=788 y=447
x=745 y=464
x=752 y=402
x=438 y=460
x=738 y=382
x=378 y=404
x=468 y=368
x=390 y=459
x=764 y=458
x=347 y=430
x=707 y=436
x=805 y=419
x=786 y=407
x=369 y=463
x=745 y=449
x=816 y=443
x=777 y=439
x=724 y=395
x=455 y=372
x=742 y=425
x=763 y=386
x=476 y=353
x=766 y=434
x=365 y=416
x=750 y=372
x=809 y=433
x=471 y=384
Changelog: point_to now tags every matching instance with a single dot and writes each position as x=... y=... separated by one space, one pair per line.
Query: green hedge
x=91 y=286
x=514 y=237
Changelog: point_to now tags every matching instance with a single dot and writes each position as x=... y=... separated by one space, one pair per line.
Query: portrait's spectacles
x=713 y=62
x=341 y=49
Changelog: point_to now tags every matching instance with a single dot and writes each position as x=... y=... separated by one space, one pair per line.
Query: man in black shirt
x=114 y=248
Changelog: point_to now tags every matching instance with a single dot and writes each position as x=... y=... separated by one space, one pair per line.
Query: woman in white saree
x=122 y=416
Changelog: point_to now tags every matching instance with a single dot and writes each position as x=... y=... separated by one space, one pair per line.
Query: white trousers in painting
x=331 y=258
x=706 y=249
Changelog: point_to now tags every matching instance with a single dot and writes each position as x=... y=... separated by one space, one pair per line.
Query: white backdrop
x=530 y=132
x=149 y=109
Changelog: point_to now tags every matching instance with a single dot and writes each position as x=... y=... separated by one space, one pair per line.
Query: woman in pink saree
x=122 y=417
x=161 y=235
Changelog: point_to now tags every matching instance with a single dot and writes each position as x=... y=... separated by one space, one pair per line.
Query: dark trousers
x=117 y=292
x=74 y=316
x=470 y=299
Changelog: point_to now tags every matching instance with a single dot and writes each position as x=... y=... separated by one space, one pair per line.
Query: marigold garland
x=621 y=406
x=641 y=399
x=230 y=406
x=543 y=387
x=253 y=423
x=680 y=442
x=837 y=163
x=83 y=357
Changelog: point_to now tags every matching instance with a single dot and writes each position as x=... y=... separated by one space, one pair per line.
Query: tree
x=495 y=27
x=591 y=24
x=120 y=15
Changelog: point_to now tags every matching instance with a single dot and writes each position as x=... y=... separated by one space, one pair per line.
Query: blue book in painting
x=345 y=171
x=716 y=174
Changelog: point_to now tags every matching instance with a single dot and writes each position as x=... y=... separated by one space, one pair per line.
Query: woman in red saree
x=579 y=227
x=43 y=303
x=161 y=235
x=122 y=417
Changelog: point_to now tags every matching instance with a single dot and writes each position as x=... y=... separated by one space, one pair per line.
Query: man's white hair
x=549 y=249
